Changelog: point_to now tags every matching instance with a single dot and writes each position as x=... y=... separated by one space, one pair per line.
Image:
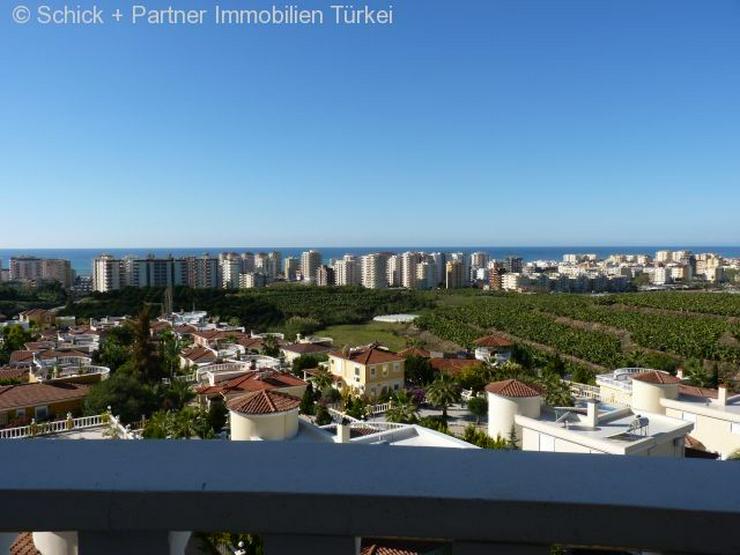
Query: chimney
x=592 y=413
x=722 y=395
x=343 y=431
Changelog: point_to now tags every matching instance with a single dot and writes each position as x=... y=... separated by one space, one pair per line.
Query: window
x=357 y=370
x=41 y=413
x=372 y=371
x=20 y=413
x=735 y=428
x=396 y=367
x=395 y=387
x=385 y=370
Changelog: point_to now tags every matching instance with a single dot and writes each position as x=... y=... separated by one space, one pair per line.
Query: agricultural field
x=389 y=335
x=608 y=331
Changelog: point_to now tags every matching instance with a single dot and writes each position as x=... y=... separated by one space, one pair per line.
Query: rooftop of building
x=34 y=394
x=252 y=380
x=618 y=429
x=263 y=402
x=513 y=388
x=370 y=354
x=493 y=341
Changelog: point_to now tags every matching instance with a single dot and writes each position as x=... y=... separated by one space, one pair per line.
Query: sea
x=81 y=259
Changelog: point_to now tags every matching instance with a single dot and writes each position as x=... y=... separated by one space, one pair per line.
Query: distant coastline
x=81 y=259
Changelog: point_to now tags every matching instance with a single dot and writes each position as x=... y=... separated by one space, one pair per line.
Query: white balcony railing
x=481 y=501
x=39 y=429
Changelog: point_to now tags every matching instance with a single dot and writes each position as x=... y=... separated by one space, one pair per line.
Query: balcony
x=125 y=496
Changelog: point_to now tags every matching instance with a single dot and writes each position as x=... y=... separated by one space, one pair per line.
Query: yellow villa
x=370 y=370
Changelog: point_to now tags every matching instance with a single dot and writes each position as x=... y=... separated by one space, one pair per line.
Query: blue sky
x=490 y=122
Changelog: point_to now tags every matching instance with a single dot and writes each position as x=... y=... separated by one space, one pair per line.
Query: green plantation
x=607 y=330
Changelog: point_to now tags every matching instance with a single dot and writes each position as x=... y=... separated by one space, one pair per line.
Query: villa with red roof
x=370 y=370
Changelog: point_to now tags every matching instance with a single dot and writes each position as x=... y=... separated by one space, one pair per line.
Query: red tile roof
x=264 y=402
x=35 y=394
x=306 y=348
x=397 y=547
x=694 y=391
x=254 y=380
x=415 y=352
x=199 y=354
x=371 y=354
x=46 y=355
x=10 y=373
x=21 y=357
x=513 y=388
x=453 y=366
x=493 y=341
x=656 y=377
x=23 y=545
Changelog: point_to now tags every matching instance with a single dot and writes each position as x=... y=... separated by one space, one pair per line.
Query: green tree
x=125 y=394
x=478 y=406
x=217 y=413
x=115 y=348
x=473 y=435
x=581 y=374
x=323 y=379
x=322 y=416
x=696 y=373
x=418 y=371
x=306 y=362
x=403 y=409
x=443 y=392
x=434 y=423
x=188 y=423
x=176 y=395
x=146 y=361
x=271 y=346
x=170 y=347
x=308 y=402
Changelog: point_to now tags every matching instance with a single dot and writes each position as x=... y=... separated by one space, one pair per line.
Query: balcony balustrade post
x=290 y=544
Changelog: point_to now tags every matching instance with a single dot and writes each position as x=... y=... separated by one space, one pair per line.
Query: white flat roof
x=613 y=432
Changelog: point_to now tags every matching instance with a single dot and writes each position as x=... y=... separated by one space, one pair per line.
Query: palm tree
x=443 y=392
x=323 y=379
x=696 y=373
x=403 y=409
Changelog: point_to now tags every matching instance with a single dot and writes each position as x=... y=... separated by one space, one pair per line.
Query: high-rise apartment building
x=393 y=271
x=107 y=274
x=290 y=268
x=375 y=270
x=34 y=269
x=310 y=262
x=231 y=268
x=325 y=276
x=110 y=274
x=454 y=274
x=513 y=264
x=347 y=271
x=409 y=260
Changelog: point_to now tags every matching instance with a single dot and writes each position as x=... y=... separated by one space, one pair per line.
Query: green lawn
x=388 y=335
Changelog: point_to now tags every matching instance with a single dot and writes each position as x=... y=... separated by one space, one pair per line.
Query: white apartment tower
x=310 y=262
x=347 y=271
x=106 y=273
x=375 y=270
x=231 y=268
x=409 y=260
x=393 y=271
